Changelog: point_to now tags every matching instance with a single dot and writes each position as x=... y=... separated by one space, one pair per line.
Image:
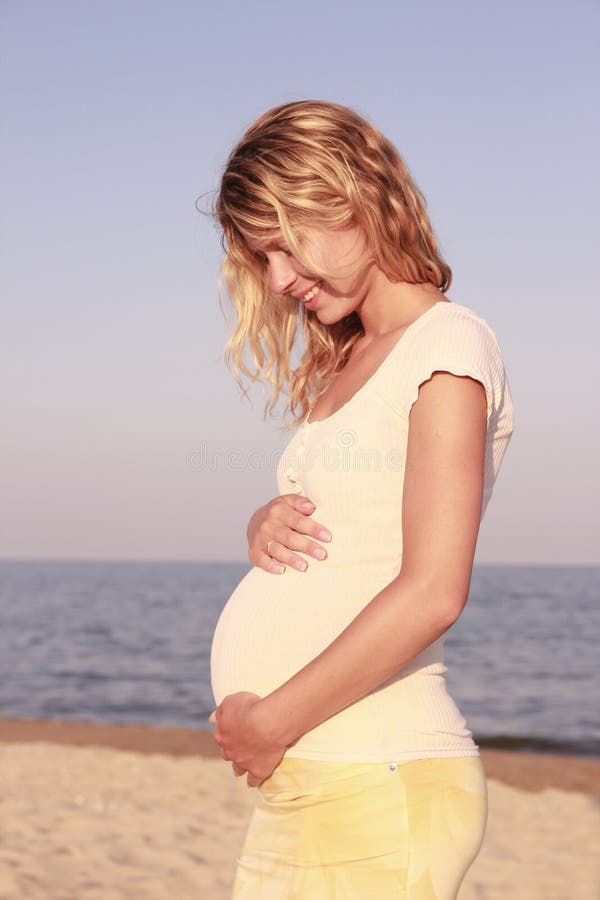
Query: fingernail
x=324 y=535
x=307 y=504
x=280 y=569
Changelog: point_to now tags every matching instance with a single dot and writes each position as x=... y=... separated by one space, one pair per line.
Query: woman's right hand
x=285 y=522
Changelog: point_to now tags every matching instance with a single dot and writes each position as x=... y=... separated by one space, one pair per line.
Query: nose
x=282 y=273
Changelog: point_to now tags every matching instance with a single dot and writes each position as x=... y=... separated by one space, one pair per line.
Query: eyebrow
x=268 y=245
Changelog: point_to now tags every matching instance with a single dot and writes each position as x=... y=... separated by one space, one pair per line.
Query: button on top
x=290 y=473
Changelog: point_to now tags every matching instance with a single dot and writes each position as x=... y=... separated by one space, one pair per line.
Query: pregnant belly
x=273 y=625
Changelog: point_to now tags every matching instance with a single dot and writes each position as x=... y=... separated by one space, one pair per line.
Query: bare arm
x=441 y=512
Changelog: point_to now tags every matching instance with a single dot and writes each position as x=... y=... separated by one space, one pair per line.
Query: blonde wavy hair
x=313 y=163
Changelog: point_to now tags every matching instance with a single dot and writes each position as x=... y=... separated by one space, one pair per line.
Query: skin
x=285 y=521
x=441 y=510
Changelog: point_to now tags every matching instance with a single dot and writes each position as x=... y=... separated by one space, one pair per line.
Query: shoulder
x=454 y=333
x=453 y=321
x=452 y=338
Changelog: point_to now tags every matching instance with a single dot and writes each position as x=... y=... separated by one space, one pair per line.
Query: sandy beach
x=112 y=812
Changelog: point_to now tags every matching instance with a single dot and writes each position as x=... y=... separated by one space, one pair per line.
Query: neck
x=391 y=306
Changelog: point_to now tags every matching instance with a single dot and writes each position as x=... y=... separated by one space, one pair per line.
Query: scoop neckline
x=363 y=387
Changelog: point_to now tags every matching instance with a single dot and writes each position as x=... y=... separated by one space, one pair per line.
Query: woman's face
x=341 y=252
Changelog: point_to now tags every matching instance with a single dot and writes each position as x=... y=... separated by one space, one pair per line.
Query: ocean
x=130 y=642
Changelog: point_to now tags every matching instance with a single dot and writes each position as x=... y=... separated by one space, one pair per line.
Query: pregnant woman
x=328 y=659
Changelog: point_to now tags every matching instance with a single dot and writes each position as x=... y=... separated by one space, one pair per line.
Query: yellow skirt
x=364 y=831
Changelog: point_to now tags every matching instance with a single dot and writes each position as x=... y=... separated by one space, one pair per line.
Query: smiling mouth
x=312 y=293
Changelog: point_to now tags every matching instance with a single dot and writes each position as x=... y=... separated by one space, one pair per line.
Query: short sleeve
x=460 y=343
x=454 y=339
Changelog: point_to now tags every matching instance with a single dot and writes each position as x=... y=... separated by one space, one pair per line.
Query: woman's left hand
x=245 y=738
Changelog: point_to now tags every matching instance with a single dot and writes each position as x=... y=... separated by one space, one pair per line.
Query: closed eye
x=265 y=260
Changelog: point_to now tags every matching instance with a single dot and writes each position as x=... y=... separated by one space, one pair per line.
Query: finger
x=304 y=525
x=295 y=539
x=254 y=780
x=213 y=717
x=296 y=501
x=297 y=527
x=292 y=536
x=269 y=563
x=302 y=504
x=284 y=557
x=238 y=770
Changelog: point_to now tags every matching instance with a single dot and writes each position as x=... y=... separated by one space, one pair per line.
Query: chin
x=332 y=317
x=326 y=308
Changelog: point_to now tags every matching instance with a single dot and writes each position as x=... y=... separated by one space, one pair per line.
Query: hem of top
x=403 y=756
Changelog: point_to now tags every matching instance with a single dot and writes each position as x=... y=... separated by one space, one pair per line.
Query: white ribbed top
x=352 y=466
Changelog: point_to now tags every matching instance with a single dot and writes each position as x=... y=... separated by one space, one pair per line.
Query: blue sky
x=119 y=115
